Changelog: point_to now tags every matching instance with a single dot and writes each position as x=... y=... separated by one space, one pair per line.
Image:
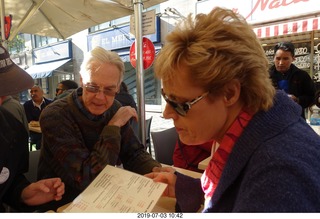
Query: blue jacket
x=273 y=167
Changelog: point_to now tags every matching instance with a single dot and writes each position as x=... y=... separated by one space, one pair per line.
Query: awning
x=45 y=70
x=288 y=28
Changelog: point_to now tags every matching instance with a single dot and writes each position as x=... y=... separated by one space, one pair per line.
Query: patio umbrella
x=63 y=18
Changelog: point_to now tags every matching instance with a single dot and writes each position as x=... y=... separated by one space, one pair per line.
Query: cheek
x=207 y=124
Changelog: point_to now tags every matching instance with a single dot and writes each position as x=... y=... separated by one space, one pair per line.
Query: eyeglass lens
x=181 y=109
x=95 y=89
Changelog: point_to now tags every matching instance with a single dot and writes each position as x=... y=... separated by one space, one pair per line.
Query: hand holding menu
x=118 y=190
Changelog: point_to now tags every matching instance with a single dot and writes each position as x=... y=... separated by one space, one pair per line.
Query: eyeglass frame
x=183 y=108
x=97 y=88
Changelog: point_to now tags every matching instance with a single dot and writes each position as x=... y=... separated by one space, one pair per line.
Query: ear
x=232 y=92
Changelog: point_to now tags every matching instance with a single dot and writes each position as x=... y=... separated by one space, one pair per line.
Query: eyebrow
x=95 y=84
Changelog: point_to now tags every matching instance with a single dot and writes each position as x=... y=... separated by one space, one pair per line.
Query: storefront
x=52 y=64
x=296 y=21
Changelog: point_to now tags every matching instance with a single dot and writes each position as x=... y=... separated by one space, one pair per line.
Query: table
x=164 y=204
x=34 y=128
x=203 y=164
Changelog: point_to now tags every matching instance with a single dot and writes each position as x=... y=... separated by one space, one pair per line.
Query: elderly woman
x=217 y=87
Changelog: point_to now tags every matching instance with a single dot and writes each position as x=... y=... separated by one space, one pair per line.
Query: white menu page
x=119 y=191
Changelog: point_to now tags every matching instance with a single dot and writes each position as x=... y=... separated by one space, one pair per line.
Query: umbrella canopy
x=63 y=18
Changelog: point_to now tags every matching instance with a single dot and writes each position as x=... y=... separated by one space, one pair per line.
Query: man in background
x=33 y=109
x=289 y=78
x=17 y=110
x=64 y=88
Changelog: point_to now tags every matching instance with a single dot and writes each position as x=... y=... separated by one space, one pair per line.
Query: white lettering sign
x=256 y=11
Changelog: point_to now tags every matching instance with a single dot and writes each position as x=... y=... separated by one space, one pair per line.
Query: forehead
x=105 y=74
x=181 y=85
x=283 y=53
x=35 y=89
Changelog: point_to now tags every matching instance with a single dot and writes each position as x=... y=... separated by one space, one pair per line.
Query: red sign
x=7 y=26
x=148 y=53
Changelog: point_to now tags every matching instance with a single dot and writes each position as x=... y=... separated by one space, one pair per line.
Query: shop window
x=316 y=63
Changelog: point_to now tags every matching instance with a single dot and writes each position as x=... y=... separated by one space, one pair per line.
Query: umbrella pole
x=3 y=36
x=139 y=69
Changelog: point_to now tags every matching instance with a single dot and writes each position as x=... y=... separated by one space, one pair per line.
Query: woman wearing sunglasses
x=217 y=87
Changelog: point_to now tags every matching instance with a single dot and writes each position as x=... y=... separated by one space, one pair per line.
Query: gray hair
x=102 y=56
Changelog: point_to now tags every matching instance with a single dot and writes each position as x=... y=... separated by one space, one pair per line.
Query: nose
x=169 y=112
x=281 y=62
x=100 y=94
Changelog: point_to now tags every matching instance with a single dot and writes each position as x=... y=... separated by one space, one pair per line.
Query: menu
x=119 y=191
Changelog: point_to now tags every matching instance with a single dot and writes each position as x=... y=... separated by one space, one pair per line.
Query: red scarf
x=212 y=174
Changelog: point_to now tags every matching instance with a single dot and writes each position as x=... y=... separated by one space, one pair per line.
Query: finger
x=157 y=169
x=150 y=175
x=42 y=186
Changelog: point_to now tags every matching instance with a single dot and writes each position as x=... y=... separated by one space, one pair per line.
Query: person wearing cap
x=287 y=77
x=15 y=190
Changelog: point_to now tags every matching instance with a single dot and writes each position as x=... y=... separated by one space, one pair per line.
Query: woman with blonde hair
x=217 y=87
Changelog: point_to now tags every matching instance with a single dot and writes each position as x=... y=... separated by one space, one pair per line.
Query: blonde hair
x=100 y=55
x=217 y=48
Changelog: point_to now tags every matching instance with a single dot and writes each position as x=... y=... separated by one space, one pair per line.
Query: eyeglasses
x=108 y=91
x=182 y=108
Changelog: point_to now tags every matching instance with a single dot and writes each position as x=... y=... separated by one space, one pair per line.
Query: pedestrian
x=285 y=76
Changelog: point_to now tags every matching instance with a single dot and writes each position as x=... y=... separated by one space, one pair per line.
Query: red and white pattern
x=288 y=28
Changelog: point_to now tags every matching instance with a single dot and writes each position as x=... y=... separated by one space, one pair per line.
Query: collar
x=36 y=105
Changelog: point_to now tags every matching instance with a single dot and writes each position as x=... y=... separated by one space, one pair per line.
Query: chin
x=97 y=112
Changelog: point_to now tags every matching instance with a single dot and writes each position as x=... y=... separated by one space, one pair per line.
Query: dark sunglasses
x=92 y=88
x=182 y=108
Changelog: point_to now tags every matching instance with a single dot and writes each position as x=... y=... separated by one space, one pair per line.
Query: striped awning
x=288 y=28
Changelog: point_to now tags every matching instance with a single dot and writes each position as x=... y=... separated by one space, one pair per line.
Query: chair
x=148 y=130
x=164 y=143
x=135 y=127
x=34 y=156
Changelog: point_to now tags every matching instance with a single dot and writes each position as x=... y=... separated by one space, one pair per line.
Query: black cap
x=13 y=79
